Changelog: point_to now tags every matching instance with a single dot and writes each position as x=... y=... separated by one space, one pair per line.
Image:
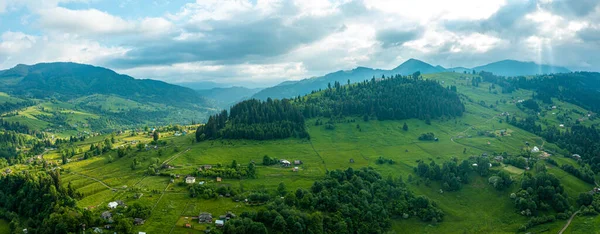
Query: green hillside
x=69 y=99
x=341 y=140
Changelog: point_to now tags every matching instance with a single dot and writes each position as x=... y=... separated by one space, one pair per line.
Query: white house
x=113 y=205
x=190 y=179
x=561 y=125
x=219 y=223
x=285 y=162
x=535 y=149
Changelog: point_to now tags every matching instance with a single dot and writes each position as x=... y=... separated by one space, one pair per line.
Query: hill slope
x=518 y=68
x=71 y=80
x=67 y=96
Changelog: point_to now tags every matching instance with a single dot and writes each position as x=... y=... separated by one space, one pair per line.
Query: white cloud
x=15 y=42
x=17 y=47
x=432 y=10
x=90 y=21
x=274 y=40
x=231 y=74
x=93 y=22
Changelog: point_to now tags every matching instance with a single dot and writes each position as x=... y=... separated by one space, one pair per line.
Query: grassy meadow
x=476 y=208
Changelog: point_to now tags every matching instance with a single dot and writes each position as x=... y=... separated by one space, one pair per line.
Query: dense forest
x=349 y=201
x=254 y=119
x=49 y=207
x=391 y=98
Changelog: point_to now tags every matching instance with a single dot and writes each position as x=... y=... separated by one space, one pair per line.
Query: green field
x=476 y=208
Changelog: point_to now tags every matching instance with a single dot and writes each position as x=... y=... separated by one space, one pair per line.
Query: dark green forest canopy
x=392 y=98
x=254 y=119
x=49 y=207
x=348 y=201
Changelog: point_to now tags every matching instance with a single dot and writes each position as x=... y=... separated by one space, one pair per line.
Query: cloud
x=395 y=37
x=222 y=38
x=267 y=41
x=573 y=8
x=18 y=47
x=270 y=74
x=590 y=34
x=92 y=22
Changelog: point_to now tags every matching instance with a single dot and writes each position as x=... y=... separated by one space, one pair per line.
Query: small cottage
x=205 y=217
x=219 y=223
x=138 y=221
x=106 y=215
x=219 y=179
x=295 y=169
x=112 y=205
x=190 y=180
x=535 y=149
x=297 y=162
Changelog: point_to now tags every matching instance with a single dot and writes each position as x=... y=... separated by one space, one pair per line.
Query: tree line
x=391 y=98
x=254 y=119
x=345 y=201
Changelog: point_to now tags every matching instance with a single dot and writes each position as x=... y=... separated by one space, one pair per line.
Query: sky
x=265 y=42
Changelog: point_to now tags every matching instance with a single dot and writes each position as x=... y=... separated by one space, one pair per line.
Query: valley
x=352 y=141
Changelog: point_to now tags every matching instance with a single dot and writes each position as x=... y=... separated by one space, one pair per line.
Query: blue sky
x=265 y=42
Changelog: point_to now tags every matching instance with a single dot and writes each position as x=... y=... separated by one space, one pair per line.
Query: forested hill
x=254 y=119
x=71 y=80
x=391 y=98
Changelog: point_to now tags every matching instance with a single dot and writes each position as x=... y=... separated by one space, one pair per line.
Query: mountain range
x=122 y=98
x=67 y=96
x=66 y=81
x=301 y=87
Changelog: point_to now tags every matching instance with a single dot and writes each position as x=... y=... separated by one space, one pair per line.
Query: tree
x=405 y=127
x=279 y=224
x=416 y=75
x=281 y=190
x=123 y=225
x=155 y=135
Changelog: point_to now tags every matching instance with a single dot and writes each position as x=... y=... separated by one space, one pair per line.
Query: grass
x=476 y=208
x=4 y=226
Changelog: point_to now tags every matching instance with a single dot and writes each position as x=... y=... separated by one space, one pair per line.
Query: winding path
x=94 y=179
x=470 y=127
x=568 y=223
x=175 y=156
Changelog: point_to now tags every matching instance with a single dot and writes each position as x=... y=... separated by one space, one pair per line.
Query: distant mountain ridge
x=66 y=80
x=226 y=97
x=519 y=68
x=289 y=89
x=294 y=88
